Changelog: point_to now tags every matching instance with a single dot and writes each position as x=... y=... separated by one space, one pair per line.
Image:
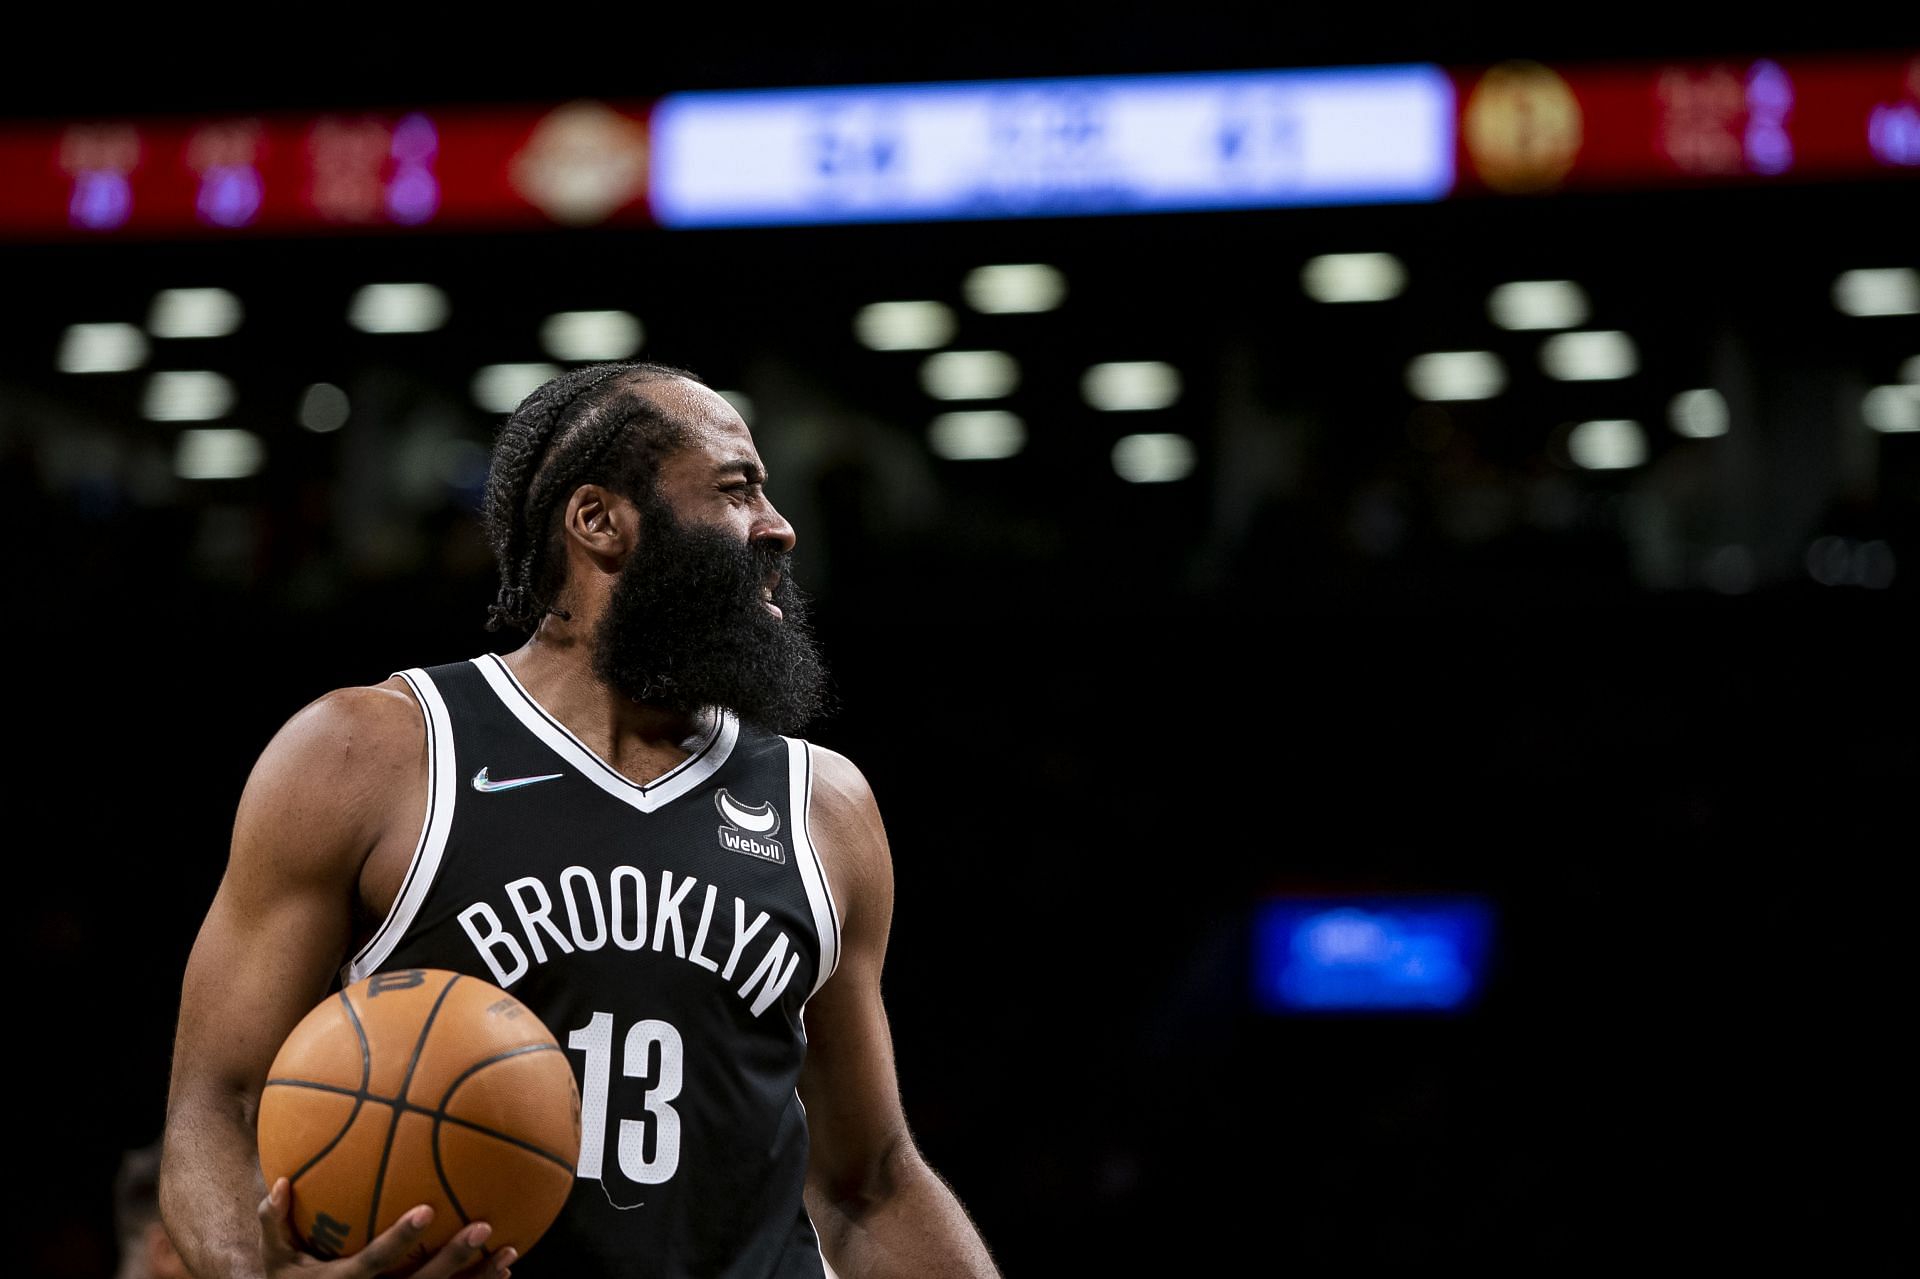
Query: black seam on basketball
x=380 y=1178
x=440 y=1170
x=359 y=1094
x=440 y=1112
x=439 y=1115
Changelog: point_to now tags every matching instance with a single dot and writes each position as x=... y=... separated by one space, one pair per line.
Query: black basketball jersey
x=668 y=934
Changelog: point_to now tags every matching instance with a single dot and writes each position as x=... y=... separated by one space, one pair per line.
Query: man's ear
x=601 y=521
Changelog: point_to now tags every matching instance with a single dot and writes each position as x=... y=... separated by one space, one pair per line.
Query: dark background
x=1102 y=720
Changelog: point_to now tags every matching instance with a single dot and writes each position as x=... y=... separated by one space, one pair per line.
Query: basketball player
x=607 y=823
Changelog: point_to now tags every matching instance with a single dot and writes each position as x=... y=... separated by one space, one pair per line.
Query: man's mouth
x=766 y=598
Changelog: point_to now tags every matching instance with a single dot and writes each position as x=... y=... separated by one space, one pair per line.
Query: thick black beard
x=685 y=628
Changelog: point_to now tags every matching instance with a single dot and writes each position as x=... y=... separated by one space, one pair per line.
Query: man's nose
x=772 y=526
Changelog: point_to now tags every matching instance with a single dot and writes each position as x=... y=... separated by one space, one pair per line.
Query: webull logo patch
x=749 y=828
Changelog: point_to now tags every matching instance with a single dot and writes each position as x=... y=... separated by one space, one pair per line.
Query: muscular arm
x=321 y=796
x=879 y=1208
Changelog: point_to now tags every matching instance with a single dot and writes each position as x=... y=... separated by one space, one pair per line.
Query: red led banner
x=580 y=164
x=1527 y=128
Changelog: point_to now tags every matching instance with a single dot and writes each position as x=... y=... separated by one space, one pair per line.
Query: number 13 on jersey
x=595 y=1039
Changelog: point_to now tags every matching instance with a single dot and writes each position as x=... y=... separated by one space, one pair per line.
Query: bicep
x=848 y=1082
x=281 y=921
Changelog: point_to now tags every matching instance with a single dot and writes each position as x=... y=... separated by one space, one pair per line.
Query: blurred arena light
x=1538 y=304
x=591 y=335
x=1014 y=288
x=904 y=326
x=977 y=435
x=1131 y=385
x=101 y=348
x=398 y=308
x=323 y=408
x=190 y=396
x=193 y=313
x=1456 y=375
x=1839 y=561
x=1883 y=291
x=1599 y=355
x=1409 y=954
x=969 y=375
x=1154 y=458
x=1353 y=277
x=1910 y=371
x=217 y=453
x=742 y=404
x=1611 y=444
x=1699 y=415
x=1892 y=410
x=499 y=388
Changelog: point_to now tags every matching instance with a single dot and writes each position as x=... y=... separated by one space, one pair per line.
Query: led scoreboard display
x=985 y=149
x=1137 y=144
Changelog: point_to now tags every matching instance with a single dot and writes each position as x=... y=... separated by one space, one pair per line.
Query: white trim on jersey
x=813 y=874
x=442 y=787
x=696 y=768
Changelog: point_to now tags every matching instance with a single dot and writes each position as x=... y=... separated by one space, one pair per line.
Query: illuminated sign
x=1139 y=144
x=1376 y=954
x=1528 y=128
x=578 y=164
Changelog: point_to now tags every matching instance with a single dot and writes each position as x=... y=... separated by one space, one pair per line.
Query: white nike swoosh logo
x=482 y=783
x=760 y=819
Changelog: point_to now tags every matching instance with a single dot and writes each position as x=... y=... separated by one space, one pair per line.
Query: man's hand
x=464 y=1255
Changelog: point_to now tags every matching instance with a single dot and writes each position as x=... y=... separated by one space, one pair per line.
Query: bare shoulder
x=339 y=769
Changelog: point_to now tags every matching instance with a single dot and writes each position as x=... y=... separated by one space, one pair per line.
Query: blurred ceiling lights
x=101 y=348
x=1698 y=415
x=1131 y=386
x=398 y=308
x=323 y=408
x=217 y=453
x=1892 y=410
x=1456 y=375
x=1353 y=277
x=976 y=435
x=1155 y=458
x=904 y=326
x=1609 y=445
x=189 y=396
x=1013 y=289
x=499 y=388
x=969 y=375
x=1886 y=291
x=1538 y=304
x=193 y=313
x=1600 y=355
x=577 y=336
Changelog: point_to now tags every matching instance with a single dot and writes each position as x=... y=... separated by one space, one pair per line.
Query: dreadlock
x=562 y=436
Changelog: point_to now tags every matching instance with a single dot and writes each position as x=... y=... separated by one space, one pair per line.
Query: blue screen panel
x=1383 y=954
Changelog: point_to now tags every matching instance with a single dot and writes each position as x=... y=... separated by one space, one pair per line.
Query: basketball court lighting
x=742 y=404
x=1353 y=277
x=1612 y=444
x=1154 y=458
x=1599 y=355
x=324 y=408
x=591 y=335
x=904 y=326
x=499 y=388
x=1882 y=291
x=1014 y=288
x=101 y=348
x=969 y=375
x=398 y=308
x=1698 y=415
x=1538 y=304
x=193 y=313
x=1130 y=385
x=1910 y=371
x=977 y=435
x=217 y=453
x=1456 y=375
x=1892 y=410
x=193 y=396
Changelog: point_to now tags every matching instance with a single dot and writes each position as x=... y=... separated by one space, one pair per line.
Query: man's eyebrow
x=745 y=467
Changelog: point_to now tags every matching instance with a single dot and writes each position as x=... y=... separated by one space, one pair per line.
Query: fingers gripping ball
x=420 y=1086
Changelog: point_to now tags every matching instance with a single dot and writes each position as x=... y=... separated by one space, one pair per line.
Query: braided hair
x=590 y=425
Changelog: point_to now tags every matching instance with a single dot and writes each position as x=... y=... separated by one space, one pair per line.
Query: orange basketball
x=420 y=1086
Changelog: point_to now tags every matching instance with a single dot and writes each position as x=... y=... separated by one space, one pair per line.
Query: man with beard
x=609 y=823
